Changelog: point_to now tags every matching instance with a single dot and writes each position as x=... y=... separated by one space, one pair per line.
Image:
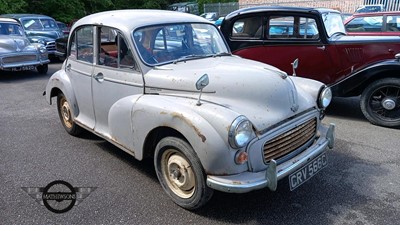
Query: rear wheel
x=66 y=116
x=42 y=69
x=181 y=174
x=380 y=102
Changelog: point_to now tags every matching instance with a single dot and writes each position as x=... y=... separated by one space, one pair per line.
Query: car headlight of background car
x=42 y=49
x=240 y=132
x=324 y=97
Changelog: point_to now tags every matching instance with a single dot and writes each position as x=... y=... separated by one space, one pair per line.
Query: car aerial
x=16 y=52
x=351 y=65
x=374 y=24
x=39 y=29
x=164 y=84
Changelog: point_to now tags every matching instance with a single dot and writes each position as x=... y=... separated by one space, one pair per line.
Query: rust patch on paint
x=180 y=116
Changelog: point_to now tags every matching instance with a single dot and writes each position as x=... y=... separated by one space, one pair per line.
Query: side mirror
x=295 y=64
x=201 y=83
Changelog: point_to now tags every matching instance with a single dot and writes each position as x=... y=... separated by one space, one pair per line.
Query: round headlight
x=325 y=97
x=42 y=49
x=241 y=132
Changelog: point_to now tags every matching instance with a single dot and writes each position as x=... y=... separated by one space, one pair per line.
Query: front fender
x=60 y=81
x=355 y=83
x=149 y=112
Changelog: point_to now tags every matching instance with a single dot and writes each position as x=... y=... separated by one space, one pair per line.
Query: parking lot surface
x=360 y=185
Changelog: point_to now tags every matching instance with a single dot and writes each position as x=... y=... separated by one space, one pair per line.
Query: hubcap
x=384 y=103
x=66 y=113
x=178 y=173
x=389 y=104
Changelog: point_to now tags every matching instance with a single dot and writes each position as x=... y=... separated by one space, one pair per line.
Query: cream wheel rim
x=178 y=173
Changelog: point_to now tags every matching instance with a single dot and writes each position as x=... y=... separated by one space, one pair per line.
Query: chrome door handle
x=99 y=77
x=321 y=47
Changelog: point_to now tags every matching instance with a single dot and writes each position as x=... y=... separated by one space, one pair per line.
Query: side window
x=114 y=49
x=248 y=28
x=369 y=24
x=290 y=27
x=392 y=23
x=108 y=55
x=82 y=44
x=125 y=55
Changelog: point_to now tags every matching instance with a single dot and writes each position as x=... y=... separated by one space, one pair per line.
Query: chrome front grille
x=289 y=141
x=19 y=59
x=51 y=46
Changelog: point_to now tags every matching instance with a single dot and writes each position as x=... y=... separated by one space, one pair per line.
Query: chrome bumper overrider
x=249 y=181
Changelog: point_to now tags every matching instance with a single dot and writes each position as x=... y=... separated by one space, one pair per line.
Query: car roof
x=130 y=19
x=25 y=15
x=8 y=20
x=278 y=8
x=377 y=13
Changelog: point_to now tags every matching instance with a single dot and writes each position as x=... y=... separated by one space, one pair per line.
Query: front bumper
x=249 y=181
x=21 y=59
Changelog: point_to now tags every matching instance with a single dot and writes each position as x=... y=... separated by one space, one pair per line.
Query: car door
x=79 y=67
x=280 y=39
x=116 y=75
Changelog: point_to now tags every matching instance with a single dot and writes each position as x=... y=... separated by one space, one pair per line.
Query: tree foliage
x=67 y=10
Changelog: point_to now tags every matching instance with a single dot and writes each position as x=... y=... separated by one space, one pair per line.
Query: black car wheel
x=42 y=69
x=380 y=102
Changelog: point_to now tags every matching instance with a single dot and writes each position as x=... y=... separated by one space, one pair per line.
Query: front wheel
x=380 y=102
x=181 y=174
x=66 y=116
x=42 y=69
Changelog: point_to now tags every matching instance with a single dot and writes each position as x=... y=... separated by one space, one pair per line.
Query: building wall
x=346 y=6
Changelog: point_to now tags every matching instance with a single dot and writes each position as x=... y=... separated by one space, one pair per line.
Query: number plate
x=23 y=68
x=306 y=172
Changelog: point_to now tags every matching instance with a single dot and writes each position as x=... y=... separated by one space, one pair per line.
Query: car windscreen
x=173 y=42
x=333 y=23
x=10 y=29
x=39 y=24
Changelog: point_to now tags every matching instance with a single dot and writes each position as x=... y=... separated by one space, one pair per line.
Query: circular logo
x=59 y=196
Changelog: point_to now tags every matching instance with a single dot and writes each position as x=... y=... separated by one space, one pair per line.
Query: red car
x=351 y=65
x=375 y=24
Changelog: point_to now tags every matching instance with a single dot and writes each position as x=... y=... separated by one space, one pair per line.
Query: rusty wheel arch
x=155 y=135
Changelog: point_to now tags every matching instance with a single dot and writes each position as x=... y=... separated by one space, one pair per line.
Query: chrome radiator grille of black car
x=19 y=59
x=289 y=141
x=51 y=46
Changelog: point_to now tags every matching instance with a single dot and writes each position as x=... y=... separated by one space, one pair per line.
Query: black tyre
x=380 y=102
x=181 y=174
x=66 y=116
x=42 y=69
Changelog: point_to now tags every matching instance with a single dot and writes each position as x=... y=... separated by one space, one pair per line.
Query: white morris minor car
x=16 y=52
x=165 y=85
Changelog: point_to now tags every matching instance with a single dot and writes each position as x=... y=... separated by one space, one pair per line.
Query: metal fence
x=222 y=9
x=390 y=5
